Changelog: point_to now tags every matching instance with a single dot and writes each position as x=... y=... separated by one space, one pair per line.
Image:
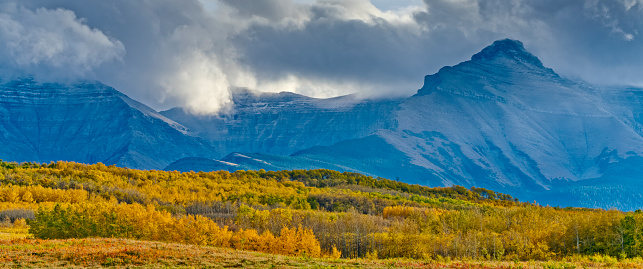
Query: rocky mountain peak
x=507 y=49
x=502 y=61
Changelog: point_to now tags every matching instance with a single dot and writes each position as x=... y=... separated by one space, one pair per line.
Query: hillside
x=111 y=253
x=310 y=213
x=284 y=123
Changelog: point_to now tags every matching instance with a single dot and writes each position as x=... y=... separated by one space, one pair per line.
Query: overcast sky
x=189 y=53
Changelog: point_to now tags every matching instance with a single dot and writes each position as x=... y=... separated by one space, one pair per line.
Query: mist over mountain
x=501 y=120
x=284 y=123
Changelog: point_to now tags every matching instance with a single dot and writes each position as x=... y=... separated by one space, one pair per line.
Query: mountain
x=369 y=156
x=519 y=121
x=88 y=123
x=283 y=123
x=501 y=120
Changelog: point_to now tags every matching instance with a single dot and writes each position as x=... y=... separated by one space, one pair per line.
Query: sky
x=190 y=53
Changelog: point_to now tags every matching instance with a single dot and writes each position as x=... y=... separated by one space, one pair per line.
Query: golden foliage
x=274 y=212
x=136 y=221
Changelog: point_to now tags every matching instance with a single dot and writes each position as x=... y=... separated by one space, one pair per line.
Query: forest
x=309 y=213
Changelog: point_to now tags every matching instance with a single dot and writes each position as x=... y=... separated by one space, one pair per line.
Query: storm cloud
x=190 y=53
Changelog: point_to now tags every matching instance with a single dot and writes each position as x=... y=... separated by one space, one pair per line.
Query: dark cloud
x=370 y=51
x=190 y=52
x=342 y=49
x=273 y=10
x=593 y=40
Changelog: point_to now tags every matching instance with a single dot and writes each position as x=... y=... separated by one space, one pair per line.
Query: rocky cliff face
x=89 y=123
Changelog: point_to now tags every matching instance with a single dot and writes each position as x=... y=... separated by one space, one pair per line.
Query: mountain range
x=501 y=120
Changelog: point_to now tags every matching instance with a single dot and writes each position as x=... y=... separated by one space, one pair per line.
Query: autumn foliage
x=306 y=213
x=136 y=221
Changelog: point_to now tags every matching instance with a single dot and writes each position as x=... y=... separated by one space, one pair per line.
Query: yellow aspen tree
x=265 y=241
x=335 y=254
x=286 y=243
x=27 y=197
x=12 y=195
x=308 y=244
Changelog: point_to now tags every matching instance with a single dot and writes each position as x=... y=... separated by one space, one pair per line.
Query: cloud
x=351 y=45
x=51 y=42
x=383 y=52
x=191 y=73
x=594 y=40
x=177 y=53
x=273 y=10
x=190 y=53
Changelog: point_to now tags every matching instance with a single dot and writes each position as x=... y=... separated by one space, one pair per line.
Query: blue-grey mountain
x=88 y=123
x=284 y=123
x=501 y=120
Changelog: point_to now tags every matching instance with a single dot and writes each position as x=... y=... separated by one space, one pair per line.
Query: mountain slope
x=369 y=156
x=283 y=123
x=88 y=123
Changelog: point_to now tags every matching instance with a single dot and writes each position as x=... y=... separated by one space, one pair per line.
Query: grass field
x=121 y=253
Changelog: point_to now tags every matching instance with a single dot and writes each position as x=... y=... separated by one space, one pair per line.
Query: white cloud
x=197 y=83
x=191 y=73
x=52 y=42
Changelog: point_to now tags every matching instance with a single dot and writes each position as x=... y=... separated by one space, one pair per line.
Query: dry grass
x=97 y=252
x=121 y=253
x=10 y=232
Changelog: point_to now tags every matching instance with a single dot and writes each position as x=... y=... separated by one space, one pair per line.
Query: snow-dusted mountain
x=283 y=123
x=501 y=120
x=89 y=123
x=515 y=119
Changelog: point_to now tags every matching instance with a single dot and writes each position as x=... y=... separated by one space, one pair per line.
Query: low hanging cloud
x=191 y=53
x=192 y=75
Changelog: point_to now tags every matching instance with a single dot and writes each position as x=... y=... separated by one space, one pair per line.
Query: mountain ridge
x=507 y=48
x=283 y=123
